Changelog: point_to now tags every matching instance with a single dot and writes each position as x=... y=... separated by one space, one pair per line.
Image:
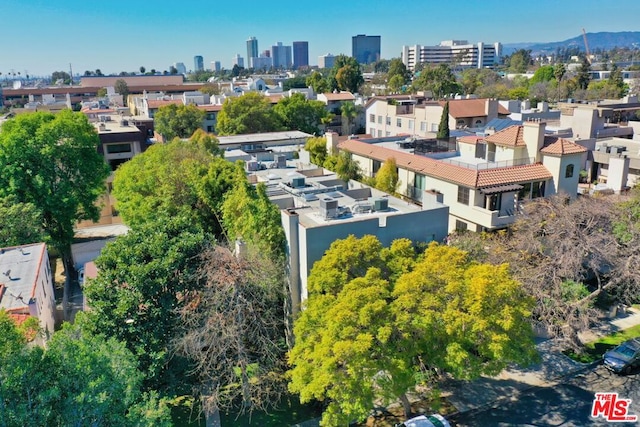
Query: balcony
x=482 y=165
x=493 y=219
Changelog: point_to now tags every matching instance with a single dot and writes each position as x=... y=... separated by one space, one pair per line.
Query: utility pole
x=70 y=75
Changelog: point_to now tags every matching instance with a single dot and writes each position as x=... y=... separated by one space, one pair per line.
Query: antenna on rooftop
x=70 y=75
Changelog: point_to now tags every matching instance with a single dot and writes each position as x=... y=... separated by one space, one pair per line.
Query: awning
x=501 y=189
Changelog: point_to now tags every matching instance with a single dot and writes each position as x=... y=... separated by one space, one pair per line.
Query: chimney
x=533 y=135
x=332 y=142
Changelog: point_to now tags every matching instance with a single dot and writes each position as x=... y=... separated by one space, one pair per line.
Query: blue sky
x=42 y=36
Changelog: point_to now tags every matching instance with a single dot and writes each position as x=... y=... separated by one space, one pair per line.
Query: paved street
x=565 y=404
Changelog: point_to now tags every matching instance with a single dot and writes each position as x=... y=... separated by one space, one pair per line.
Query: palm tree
x=349 y=112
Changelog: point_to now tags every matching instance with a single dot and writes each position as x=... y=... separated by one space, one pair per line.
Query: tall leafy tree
x=249 y=113
x=349 y=112
x=121 y=87
x=52 y=162
x=374 y=329
x=346 y=74
x=519 y=61
x=397 y=68
x=79 y=379
x=387 y=177
x=296 y=112
x=582 y=76
x=317 y=148
x=21 y=223
x=438 y=79
x=178 y=121
x=443 y=126
x=318 y=82
x=143 y=277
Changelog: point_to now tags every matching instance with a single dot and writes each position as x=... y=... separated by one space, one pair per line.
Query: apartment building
x=416 y=116
x=458 y=53
x=485 y=180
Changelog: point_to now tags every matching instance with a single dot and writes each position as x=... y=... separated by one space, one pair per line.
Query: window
x=537 y=189
x=423 y=126
x=463 y=195
x=372 y=118
x=434 y=127
x=399 y=122
x=495 y=202
x=410 y=124
x=210 y=129
x=372 y=131
x=420 y=181
x=387 y=133
x=388 y=121
x=568 y=173
x=478 y=123
x=461 y=225
x=118 y=148
x=380 y=120
x=379 y=133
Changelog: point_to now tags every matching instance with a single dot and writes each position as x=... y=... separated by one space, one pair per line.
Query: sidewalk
x=468 y=395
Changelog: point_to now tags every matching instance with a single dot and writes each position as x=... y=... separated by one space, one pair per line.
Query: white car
x=435 y=420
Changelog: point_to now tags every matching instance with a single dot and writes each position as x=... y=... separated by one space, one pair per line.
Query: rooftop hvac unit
x=252 y=166
x=380 y=205
x=124 y=122
x=297 y=182
x=329 y=208
x=280 y=161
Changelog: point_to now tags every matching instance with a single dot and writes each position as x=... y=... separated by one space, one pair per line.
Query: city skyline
x=123 y=36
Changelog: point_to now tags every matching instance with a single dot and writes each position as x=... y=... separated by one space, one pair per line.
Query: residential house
x=26 y=286
x=486 y=178
x=334 y=101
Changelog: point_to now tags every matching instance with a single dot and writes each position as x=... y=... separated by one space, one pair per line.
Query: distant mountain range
x=604 y=40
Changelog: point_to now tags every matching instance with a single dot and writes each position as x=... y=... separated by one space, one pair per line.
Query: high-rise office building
x=215 y=66
x=198 y=63
x=365 y=49
x=238 y=60
x=460 y=52
x=300 y=54
x=326 y=61
x=281 y=56
x=179 y=66
x=252 y=51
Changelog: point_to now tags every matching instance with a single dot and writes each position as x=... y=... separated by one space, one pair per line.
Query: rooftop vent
x=380 y=205
x=297 y=182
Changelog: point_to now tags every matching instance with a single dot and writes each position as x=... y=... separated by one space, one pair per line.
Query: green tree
x=438 y=79
x=80 y=379
x=443 y=127
x=616 y=82
x=299 y=82
x=387 y=177
x=519 y=61
x=559 y=70
x=346 y=168
x=546 y=73
x=210 y=89
x=374 y=329
x=520 y=93
x=180 y=178
x=21 y=223
x=582 y=76
x=317 y=148
x=121 y=87
x=208 y=141
x=397 y=68
x=143 y=278
x=102 y=92
x=249 y=113
x=346 y=74
x=178 y=121
x=142 y=70
x=52 y=162
x=348 y=112
x=248 y=214
x=61 y=75
x=296 y=112
x=318 y=83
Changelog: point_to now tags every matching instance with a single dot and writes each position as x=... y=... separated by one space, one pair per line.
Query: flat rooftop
x=19 y=266
x=306 y=191
x=262 y=137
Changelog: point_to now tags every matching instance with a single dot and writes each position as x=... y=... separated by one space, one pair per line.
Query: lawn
x=595 y=349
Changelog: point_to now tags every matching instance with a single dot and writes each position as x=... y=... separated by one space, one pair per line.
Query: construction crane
x=586 y=45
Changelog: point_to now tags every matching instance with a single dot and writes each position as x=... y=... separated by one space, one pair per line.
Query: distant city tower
x=300 y=54
x=252 y=50
x=198 y=63
x=365 y=49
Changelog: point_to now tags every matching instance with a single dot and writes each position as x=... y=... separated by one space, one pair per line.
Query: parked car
x=435 y=420
x=624 y=358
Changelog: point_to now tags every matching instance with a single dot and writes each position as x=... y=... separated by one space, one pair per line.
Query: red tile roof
x=340 y=96
x=157 y=103
x=461 y=108
x=470 y=139
x=560 y=146
x=511 y=137
x=447 y=171
x=210 y=107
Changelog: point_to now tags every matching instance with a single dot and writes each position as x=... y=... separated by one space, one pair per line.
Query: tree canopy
x=387 y=177
x=443 y=126
x=296 y=112
x=249 y=113
x=346 y=74
x=79 y=379
x=317 y=148
x=438 y=79
x=21 y=223
x=181 y=178
x=178 y=121
x=379 y=320
x=52 y=162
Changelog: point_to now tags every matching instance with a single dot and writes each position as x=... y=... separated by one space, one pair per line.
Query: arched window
x=568 y=173
x=478 y=122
